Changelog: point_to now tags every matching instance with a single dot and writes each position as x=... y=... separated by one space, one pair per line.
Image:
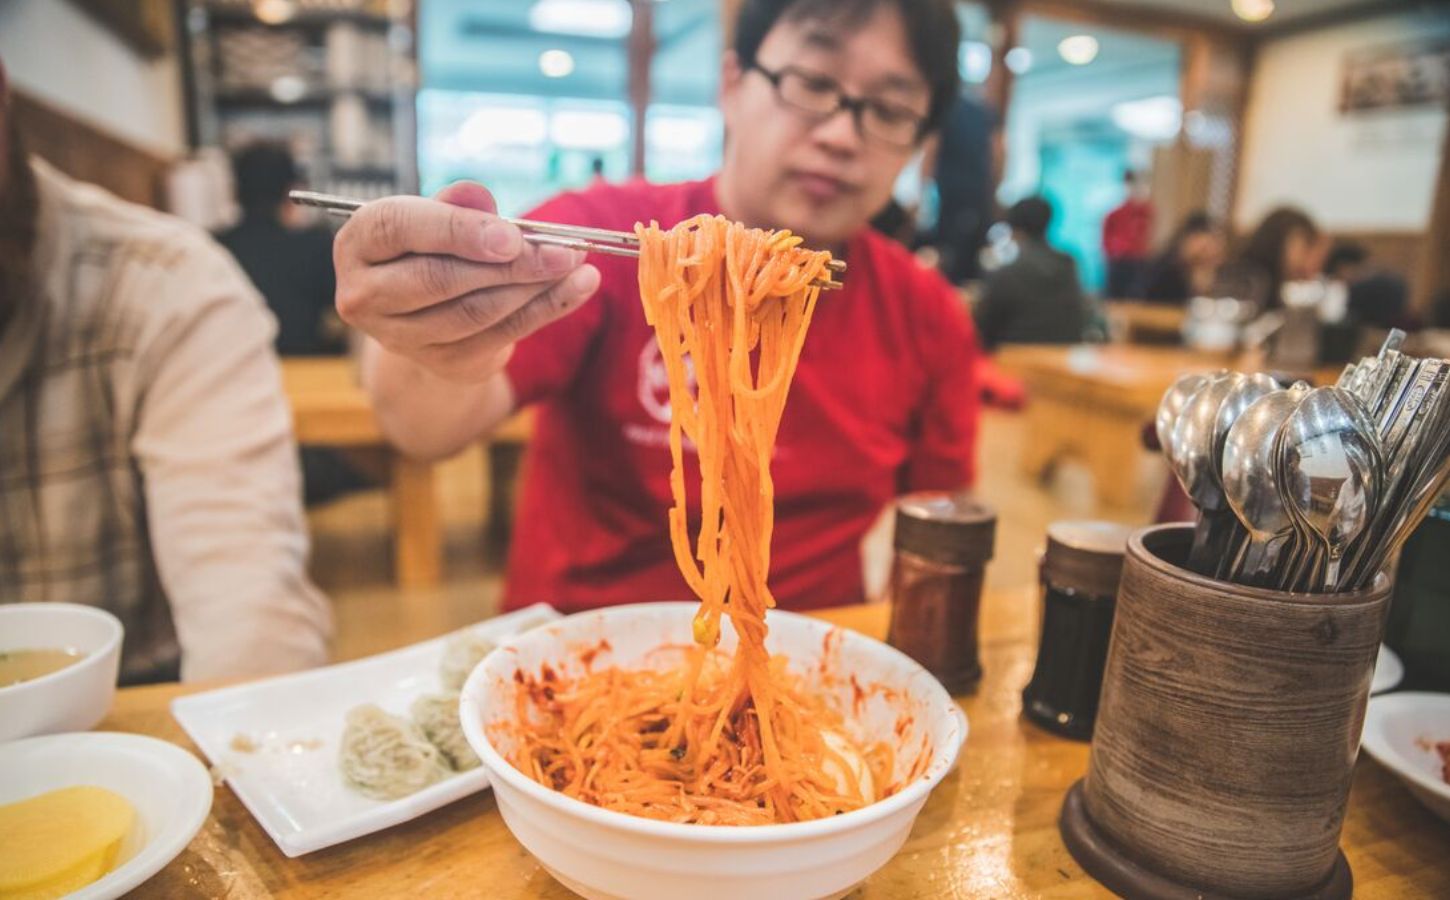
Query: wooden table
x=1091 y=402
x=989 y=830
x=1146 y=323
x=330 y=409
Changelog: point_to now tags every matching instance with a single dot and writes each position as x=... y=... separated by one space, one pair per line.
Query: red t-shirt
x=1127 y=230
x=884 y=401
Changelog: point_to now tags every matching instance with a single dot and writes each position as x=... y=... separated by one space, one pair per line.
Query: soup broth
x=23 y=665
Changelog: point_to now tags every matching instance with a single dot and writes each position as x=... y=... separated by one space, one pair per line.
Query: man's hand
x=448 y=284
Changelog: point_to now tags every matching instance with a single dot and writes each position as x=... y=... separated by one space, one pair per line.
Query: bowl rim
x=500 y=768
x=91 y=659
x=1378 y=745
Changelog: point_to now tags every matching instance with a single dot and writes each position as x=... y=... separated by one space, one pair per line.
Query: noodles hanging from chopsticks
x=720 y=738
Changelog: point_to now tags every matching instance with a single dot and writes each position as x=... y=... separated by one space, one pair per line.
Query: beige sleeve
x=222 y=486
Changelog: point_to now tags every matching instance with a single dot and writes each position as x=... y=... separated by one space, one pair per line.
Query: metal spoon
x=1171 y=407
x=1250 y=485
x=1330 y=471
x=1245 y=392
x=1193 y=452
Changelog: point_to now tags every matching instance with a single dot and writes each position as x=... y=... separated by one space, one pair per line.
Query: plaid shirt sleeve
x=213 y=442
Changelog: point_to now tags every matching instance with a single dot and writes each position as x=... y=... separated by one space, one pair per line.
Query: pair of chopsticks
x=574 y=237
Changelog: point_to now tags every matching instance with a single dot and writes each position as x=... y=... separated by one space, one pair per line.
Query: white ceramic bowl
x=604 y=854
x=1399 y=732
x=169 y=788
x=74 y=698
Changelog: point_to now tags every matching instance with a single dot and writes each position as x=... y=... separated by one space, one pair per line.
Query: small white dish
x=603 y=854
x=1388 y=671
x=168 y=787
x=71 y=699
x=275 y=742
x=1400 y=731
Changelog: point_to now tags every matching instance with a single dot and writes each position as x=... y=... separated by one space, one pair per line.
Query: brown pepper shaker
x=942 y=546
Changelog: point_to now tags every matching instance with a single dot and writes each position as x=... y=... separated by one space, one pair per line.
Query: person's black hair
x=1344 y=253
x=264 y=172
x=932 y=31
x=1031 y=216
x=1130 y=176
x=596 y=165
x=1196 y=222
x=1264 y=251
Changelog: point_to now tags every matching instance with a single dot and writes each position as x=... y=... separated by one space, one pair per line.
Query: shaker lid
x=951 y=528
x=1086 y=556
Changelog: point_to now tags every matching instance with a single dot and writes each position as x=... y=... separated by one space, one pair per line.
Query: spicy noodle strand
x=716 y=738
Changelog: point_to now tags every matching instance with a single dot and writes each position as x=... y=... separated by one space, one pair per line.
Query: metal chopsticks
x=574 y=237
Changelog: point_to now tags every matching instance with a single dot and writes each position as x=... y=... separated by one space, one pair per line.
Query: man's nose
x=839 y=132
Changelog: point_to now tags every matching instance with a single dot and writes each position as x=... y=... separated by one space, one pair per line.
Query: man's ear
x=730 y=73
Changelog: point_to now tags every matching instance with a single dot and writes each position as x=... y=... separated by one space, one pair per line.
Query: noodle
x=718 y=739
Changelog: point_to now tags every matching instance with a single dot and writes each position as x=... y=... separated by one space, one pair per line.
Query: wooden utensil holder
x=1227 y=730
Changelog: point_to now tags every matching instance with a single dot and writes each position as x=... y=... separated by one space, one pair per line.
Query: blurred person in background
x=145 y=442
x=1188 y=265
x=1127 y=234
x=1035 y=298
x=1283 y=248
x=824 y=102
x=291 y=265
x=1377 y=298
x=965 y=178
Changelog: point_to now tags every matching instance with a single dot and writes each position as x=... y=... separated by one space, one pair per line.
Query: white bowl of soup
x=601 y=853
x=58 y=667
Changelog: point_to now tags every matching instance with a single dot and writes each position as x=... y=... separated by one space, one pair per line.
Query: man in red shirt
x=1127 y=235
x=824 y=101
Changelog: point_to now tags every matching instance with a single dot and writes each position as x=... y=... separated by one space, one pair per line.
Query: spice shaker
x=1081 y=568
x=942 y=546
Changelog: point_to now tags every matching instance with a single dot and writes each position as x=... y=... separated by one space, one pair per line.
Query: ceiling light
x=1019 y=60
x=274 y=12
x=587 y=18
x=974 y=59
x=556 y=63
x=1079 y=50
x=1151 y=118
x=1253 y=10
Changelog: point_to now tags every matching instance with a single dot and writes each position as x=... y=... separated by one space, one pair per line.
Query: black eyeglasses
x=821 y=97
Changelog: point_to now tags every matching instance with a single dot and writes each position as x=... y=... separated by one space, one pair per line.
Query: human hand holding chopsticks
x=448 y=285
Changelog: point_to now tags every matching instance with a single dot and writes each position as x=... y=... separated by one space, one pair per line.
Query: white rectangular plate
x=288 y=777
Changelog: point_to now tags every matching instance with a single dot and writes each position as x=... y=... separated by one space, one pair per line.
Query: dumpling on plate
x=386 y=757
x=464 y=650
x=436 y=715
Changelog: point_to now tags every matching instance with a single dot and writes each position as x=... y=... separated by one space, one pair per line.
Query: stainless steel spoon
x=1171 y=407
x=1245 y=392
x=1330 y=472
x=1193 y=463
x=1250 y=485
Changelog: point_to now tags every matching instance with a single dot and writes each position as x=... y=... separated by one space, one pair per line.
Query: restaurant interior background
x=1233 y=108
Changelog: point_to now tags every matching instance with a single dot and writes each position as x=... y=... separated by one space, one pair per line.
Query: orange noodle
x=718 y=738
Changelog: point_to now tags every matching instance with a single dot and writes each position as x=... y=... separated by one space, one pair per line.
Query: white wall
x=1364 y=171
x=58 y=54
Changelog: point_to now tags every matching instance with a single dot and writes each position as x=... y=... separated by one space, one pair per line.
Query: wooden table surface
x=1091 y=401
x=989 y=830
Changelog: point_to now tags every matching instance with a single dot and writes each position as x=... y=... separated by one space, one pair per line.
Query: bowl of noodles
x=628 y=759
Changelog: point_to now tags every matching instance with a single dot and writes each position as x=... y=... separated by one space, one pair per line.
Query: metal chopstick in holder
x=574 y=237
